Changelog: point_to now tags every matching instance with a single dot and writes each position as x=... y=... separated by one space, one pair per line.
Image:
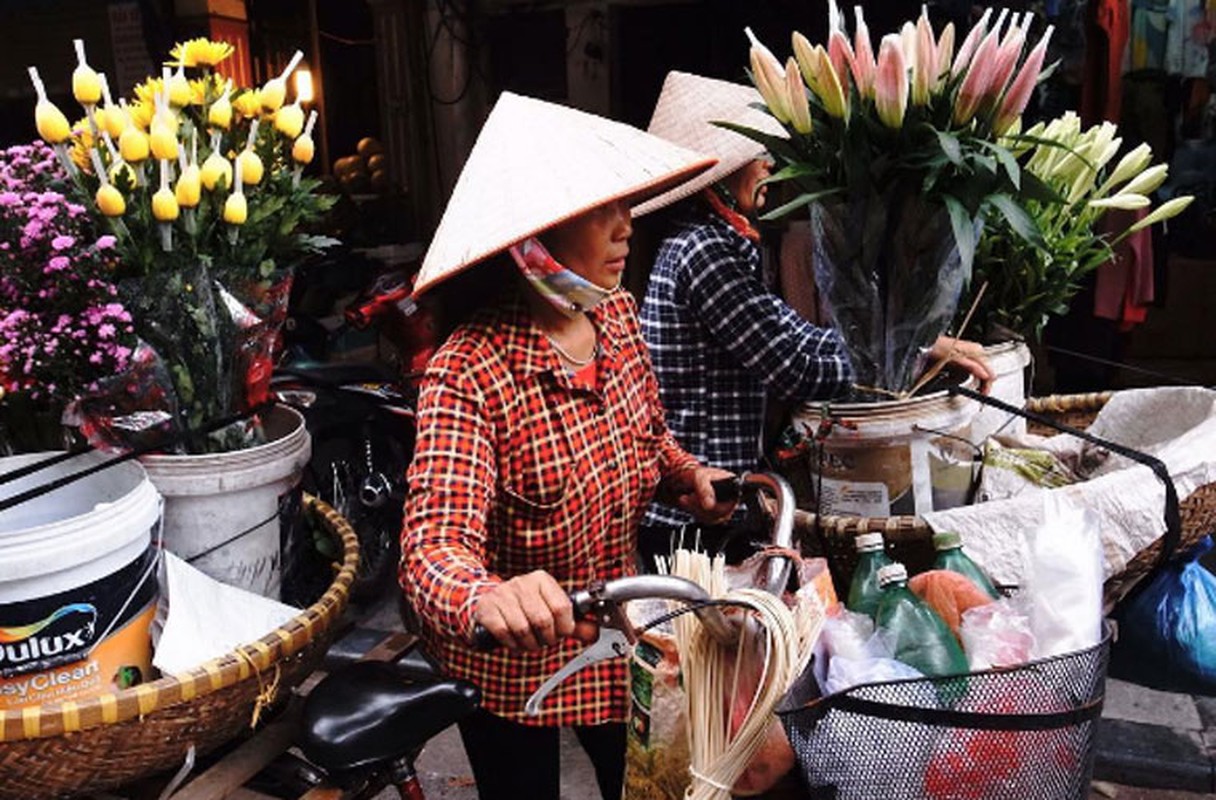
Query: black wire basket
x=1018 y=733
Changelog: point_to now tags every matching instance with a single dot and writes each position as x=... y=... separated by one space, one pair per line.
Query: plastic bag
x=1165 y=633
x=1062 y=579
x=996 y=635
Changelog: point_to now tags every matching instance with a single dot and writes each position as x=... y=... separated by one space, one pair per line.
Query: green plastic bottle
x=950 y=555
x=864 y=591
x=918 y=636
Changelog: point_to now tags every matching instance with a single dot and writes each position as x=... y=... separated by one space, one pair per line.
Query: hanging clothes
x=1124 y=287
x=1106 y=34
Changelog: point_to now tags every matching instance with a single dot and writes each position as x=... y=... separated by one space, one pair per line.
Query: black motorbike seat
x=366 y=714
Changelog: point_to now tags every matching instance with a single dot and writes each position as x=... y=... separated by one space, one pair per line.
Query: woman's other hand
x=693 y=491
x=530 y=612
x=968 y=355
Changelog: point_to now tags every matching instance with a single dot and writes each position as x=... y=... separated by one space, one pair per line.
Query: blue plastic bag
x=1167 y=634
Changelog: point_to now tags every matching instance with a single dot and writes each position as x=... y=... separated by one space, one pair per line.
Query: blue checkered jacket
x=721 y=342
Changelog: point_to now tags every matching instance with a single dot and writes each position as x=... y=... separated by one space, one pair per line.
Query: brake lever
x=611 y=643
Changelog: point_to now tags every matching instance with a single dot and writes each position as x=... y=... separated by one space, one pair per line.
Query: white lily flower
x=1148 y=180
x=1131 y=164
x=1122 y=200
x=1166 y=210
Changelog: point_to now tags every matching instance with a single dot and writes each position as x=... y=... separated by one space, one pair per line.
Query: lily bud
x=216 y=168
x=827 y=85
x=164 y=205
x=133 y=145
x=970 y=44
x=188 y=191
x=1131 y=164
x=891 y=82
x=945 y=53
x=770 y=80
x=249 y=165
x=975 y=84
x=840 y=53
x=800 y=109
x=110 y=201
x=86 y=85
x=1023 y=85
x=289 y=120
x=1170 y=208
x=864 y=66
x=1123 y=200
x=924 y=70
x=1148 y=181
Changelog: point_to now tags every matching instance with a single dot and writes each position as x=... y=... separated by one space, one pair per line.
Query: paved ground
x=1152 y=746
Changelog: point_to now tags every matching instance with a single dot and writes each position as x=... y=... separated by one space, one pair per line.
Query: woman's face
x=594 y=244
x=744 y=184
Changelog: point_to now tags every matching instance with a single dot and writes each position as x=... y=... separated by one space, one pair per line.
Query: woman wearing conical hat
x=541 y=439
x=723 y=344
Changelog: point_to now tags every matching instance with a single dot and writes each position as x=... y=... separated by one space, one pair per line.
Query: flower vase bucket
x=1008 y=362
x=222 y=509
x=890 y=458
x=77 y=588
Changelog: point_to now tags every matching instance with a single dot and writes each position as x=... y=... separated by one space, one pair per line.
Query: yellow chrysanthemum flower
x=82 y=143
x=199 y=52
x=202 y=88
x=248 y=104
x=146 y=92
x=141 y=114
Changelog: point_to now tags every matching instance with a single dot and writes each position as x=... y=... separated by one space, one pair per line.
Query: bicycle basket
x=1019 y=733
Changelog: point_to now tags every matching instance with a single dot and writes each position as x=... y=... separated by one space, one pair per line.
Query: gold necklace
x=577 y=362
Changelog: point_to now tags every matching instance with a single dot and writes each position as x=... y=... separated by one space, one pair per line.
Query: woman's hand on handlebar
x=693 y=491
x=530 y=612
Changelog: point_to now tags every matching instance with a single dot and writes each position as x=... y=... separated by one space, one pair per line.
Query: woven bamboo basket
x=910 y=540
x=62 y=750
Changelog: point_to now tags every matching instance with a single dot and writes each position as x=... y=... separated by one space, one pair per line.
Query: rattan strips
x=58 y=750
x=910 y=539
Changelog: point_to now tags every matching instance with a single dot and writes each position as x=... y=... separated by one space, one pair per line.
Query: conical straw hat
x=535 y=165
x=687 y=108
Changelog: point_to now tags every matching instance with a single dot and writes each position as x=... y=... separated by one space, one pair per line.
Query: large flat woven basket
x=910 y=540
x=65 y=749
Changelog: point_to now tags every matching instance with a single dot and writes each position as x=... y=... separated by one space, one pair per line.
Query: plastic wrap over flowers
x=890 y=271
x=194 y=332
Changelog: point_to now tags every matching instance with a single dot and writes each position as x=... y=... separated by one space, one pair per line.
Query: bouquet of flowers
x=62 y=328
x=199 y=184
x=899 y=157
x=1026 y=283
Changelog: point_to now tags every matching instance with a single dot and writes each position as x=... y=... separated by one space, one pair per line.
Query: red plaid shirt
x=518 y=468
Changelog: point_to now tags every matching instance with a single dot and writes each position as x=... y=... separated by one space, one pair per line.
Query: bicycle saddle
x=320 y=374
x=366 y=714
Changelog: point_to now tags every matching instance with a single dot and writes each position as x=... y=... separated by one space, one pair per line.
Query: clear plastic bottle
x=864 y=591
x=950 y=555
x=917 y=635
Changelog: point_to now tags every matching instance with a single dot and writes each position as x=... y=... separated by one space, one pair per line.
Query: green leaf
x=1022 y=223
x=1008 y=162
x=950 y=147
x=800 y=201
x=777 y=145
x=791 y=172
x=964 y=228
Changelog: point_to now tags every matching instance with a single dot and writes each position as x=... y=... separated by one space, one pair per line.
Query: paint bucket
x=890 y=458
x=222 y=510
x=78 y=588
x=1008 y=362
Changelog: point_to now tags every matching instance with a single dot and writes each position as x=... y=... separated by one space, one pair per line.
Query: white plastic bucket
x=77 y=588
x=222 y=509
x=891 y=458
x=1008 y=361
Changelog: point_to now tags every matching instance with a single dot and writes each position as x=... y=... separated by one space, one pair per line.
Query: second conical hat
x=688 y=107
x=537 y=164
